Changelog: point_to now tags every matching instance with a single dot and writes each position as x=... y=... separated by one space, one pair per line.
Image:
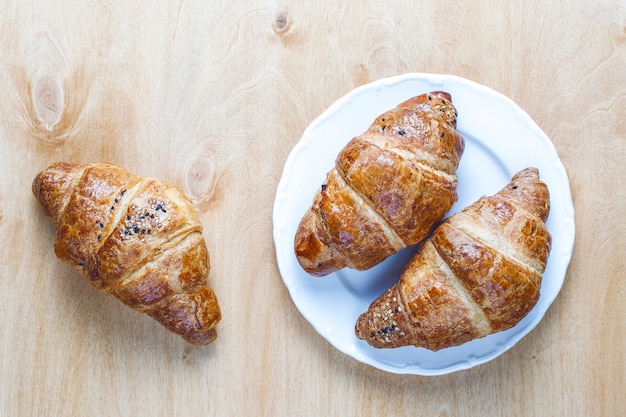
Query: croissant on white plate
x=390 y=186
x=137 y=239
x=479 y=273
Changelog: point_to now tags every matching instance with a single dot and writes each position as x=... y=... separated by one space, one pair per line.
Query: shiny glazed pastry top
x=137 y=239
x=390 y=186
x=479 y=273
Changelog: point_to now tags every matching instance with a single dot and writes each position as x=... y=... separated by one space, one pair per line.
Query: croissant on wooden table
x=478 y=273
x=137 y=239
x=387 y=190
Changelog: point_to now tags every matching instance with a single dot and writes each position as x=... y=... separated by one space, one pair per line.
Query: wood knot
x=281 y=22
x=201 y=180
x=48 y=101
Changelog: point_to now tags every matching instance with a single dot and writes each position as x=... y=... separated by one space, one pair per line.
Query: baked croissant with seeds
x=479 y=273
x=388 y=189
x=135 y=238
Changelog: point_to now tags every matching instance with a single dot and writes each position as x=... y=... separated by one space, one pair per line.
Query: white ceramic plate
x=500 y=140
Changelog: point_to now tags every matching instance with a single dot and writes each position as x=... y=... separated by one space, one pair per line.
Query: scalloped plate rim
x=364 y=353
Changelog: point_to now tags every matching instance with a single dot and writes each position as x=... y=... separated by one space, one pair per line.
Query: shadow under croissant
x=101 y=319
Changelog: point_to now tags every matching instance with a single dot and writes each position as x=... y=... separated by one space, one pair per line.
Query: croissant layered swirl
x=388 y=189
x=479 y=273
x=137 y=239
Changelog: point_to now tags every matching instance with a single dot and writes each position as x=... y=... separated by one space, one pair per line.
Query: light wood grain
x=212 y=96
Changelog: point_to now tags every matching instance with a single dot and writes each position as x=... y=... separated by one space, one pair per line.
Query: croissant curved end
x=52 y=187
x=313 y=254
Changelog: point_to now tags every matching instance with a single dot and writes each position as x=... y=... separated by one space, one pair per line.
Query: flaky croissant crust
x=388 y=189
x=479 y=273
x=135 y=238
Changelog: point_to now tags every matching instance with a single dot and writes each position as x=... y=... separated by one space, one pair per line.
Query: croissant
x=478 y=273
x=137 y=239
x=387 y=190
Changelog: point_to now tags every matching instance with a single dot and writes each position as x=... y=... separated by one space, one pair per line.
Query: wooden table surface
x=212 y=96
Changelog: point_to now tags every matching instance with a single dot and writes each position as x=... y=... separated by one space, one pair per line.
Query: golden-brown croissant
x=388 y=189
x=479 y=273
x=135 y=238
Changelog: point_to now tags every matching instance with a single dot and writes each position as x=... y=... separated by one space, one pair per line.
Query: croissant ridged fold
x=478 y=273
x=137 y=239
x=388 y=189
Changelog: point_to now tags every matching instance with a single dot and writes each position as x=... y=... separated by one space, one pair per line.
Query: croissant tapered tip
x=192 y=315
x=443 y=94
x=426 y=97
x=313 y=254
x=384 y=324
x=52 y=187
x=530 y=172
x=202 y=338
x=527 y=189
x=441 y=100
